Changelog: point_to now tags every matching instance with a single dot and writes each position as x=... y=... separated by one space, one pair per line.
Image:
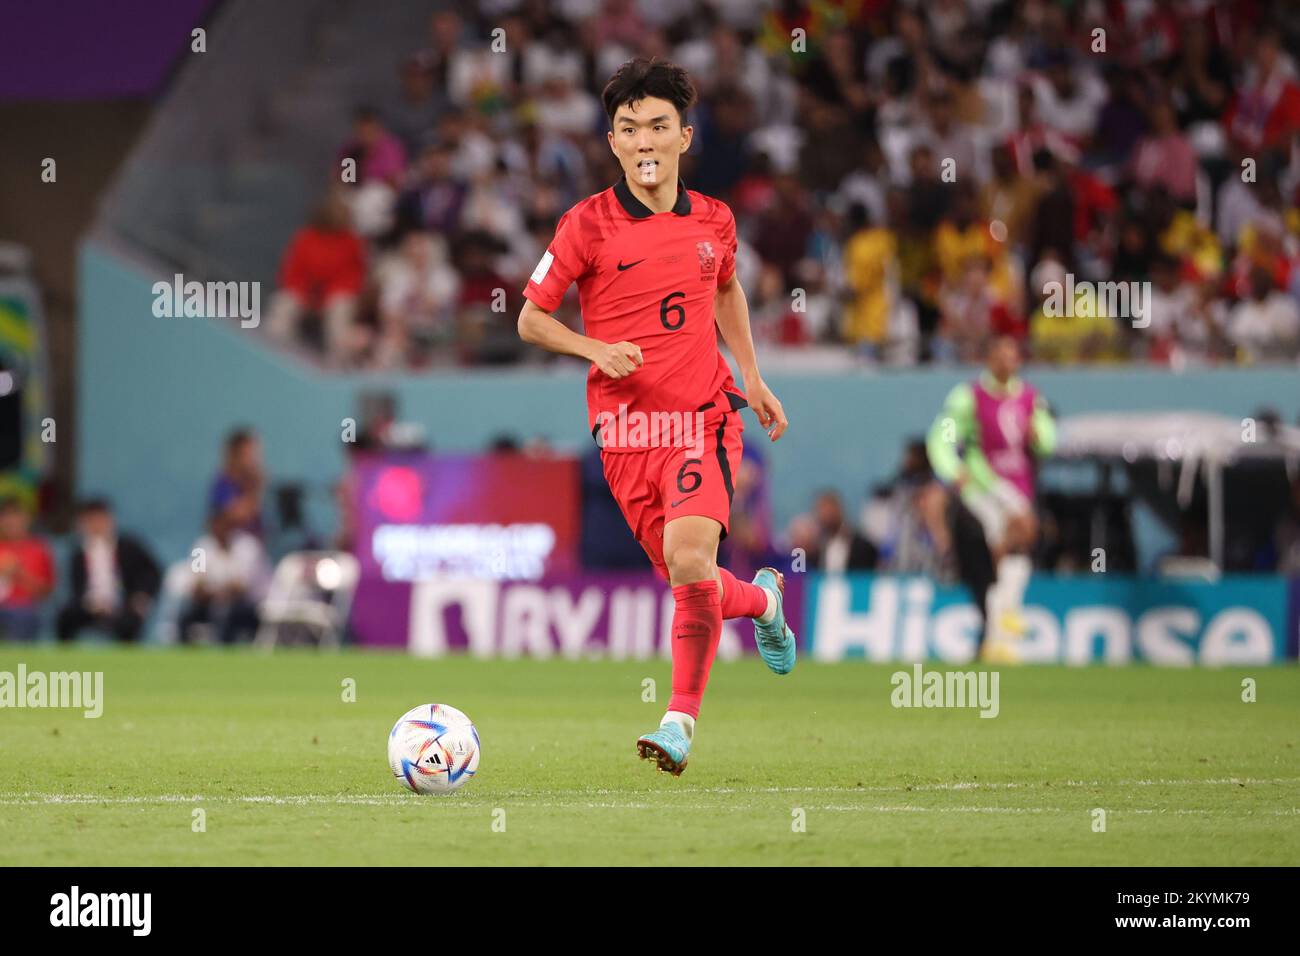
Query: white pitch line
x=25 y=799
x=410 y=800
x=975 y=785
x=398 y=799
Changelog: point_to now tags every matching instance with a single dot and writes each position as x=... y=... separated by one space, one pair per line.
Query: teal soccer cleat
x=775 y=640
x=668 y=746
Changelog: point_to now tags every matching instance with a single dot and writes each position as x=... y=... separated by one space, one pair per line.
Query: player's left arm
x=1042 y=428
x=732 y=311
x=733 y=322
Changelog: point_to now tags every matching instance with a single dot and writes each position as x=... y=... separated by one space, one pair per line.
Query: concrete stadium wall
x=155 y=396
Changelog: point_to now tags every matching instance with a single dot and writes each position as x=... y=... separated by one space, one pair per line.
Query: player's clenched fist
x=618 y=359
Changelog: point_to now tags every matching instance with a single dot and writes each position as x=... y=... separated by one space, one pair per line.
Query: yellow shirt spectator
x=870 y=260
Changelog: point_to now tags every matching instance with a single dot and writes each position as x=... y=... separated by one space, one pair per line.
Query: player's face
x=648 y=138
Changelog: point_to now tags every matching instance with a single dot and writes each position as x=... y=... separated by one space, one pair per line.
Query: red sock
x=697 y=628
x=740 y=598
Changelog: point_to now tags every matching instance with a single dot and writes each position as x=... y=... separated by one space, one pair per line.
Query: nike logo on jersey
x=624 y=268
x=687 y=498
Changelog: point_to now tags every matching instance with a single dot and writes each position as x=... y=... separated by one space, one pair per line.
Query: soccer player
x=656 y=274
x=982 y=445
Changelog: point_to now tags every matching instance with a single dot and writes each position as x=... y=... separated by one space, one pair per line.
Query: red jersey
x=651 y=279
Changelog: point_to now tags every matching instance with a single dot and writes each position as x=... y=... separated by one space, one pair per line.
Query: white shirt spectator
x=966 y=145
x=419 y=286
x=864 y=189
x=102 y=583
x=242 y=563
x=1077 y=115
x=542 y=61
x=1237 y=206
x=563 y=108
x=472 y=71
x=1176 y=314
x=1266 y=328
x=476 y=155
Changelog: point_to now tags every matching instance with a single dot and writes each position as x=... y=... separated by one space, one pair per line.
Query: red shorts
x=656 y=485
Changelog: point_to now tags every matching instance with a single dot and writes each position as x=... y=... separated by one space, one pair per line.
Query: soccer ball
x=433 y=748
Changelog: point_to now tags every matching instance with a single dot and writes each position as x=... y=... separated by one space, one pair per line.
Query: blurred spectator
x=1053 y=230
x=865 y=186
x=1165 y=158
x=970 y=311
x=241 y=480
x=906 y=518
x=1033 y=136
x=565 y=108
x=950 y=139
x=1265 y=113
x=380 y=159
x=114 y=578
x=837 y=78
x=417 y=298
x=1009 y=199
x=487 y=305
x=927 y=195
x=1122 y=122
x=419 y=103
x=1069 y=332
x=1267 y=323
x=434 y=198
x=1068 y=97
x=1180 y=327
x=722 y=156
x=494 y=204
x=379 y=154
x=840 y=547
x=1200 y=80
x=26 y=574
x=820 y=169
x=963 y=234
x=781 y=235
x=871 y=269
x=446 y=31
x=1237 y=206
x=322 y=274
x=230 y=579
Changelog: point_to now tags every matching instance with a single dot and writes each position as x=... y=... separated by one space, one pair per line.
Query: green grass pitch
x=287 y=772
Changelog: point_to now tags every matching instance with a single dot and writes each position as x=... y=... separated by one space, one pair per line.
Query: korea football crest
x=708 y=262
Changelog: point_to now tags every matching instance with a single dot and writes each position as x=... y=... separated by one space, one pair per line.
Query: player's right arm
x=540 y=328
x=564 y=262
x=952 y=426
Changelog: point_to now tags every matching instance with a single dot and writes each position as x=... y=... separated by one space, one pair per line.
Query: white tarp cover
x=1172 y=436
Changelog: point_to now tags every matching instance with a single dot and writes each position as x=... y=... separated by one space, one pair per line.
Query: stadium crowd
x=906 y=177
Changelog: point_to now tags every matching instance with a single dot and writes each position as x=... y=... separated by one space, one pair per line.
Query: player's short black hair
x=636 y=79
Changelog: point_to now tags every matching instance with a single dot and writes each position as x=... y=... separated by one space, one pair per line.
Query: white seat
x=312 y=589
